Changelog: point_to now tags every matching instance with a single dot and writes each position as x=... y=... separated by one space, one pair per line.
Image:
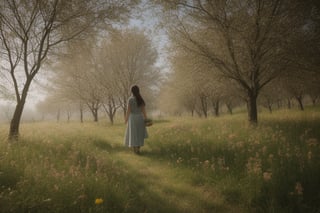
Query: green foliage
x=187 y=165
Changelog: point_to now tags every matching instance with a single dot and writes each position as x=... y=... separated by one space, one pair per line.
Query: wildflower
x=298 y=188
x=56 y=187
x=179 y=160
x=257 y=154
x=309 y=155
x=254 y=165
x=264 y=149
x=98 y=201
x=213 y=167
x=231 y=136
x=267 y=176
x=312 y=142
x=47 y=200
x=206 y=164
x=192 y=149
x=83 y=196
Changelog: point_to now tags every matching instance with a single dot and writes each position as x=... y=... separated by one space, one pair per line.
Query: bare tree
x=75 y=77
x=29 y=30
x=99 y=72
x=296 y=86
x=132 y=59
x=68 y=81
x=313 y=89
x=107 y=82
x=196 y=87
x=242 y=40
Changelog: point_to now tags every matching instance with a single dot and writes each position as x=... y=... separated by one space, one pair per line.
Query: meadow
x=187 y=165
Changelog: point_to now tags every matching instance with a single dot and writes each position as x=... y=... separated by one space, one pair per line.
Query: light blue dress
x=136 y=130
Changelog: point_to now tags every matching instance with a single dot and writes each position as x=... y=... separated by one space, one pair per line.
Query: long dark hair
x=136 y=93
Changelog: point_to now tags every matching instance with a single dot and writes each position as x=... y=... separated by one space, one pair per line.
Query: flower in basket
x=148 y=122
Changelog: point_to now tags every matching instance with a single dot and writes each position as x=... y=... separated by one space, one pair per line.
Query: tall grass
x=187 y=165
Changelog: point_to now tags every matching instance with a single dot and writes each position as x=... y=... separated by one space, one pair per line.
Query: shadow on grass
x=154 y=192
x=9 y=176
x=105 y=145
x=147 y=190
x=193 y=155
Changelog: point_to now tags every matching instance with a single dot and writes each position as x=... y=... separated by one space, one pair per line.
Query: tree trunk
x=269 y=103
x=111 y=118
x=204 y=106
x=15 y=121
x=229 y=108
x=68 y=116
x=111 y=113
x=81 y=115
x=299 y=99
x=279 y=104
x=95 y=115
x=216 y=106
x=289 y=103
x=81 y=111
x=110 y=110
x=94 y=108
x=252 y=108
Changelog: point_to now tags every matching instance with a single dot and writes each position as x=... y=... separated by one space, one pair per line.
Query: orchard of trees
x=253 y=51
x=98 y=72
x=219 y=52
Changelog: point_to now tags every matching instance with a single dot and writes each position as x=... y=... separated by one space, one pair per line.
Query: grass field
x=187 y=165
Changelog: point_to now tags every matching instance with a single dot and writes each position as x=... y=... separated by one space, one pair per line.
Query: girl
x=135 y=118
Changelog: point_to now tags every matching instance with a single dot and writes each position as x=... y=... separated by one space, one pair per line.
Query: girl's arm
x=127 y=114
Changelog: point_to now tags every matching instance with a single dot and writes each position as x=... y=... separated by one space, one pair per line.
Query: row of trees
x=200 y=95
x=97 y=74
x=241 y=48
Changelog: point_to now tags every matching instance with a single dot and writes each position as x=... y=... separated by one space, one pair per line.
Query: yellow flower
x=98 y=201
